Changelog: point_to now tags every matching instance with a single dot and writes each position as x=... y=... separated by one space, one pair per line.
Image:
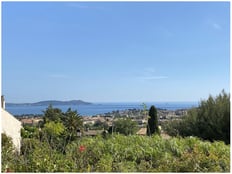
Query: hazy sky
x=112 y=52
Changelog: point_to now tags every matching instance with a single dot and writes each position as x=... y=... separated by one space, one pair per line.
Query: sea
x=100 y=108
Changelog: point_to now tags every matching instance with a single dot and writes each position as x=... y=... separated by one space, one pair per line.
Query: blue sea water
x=100 y=108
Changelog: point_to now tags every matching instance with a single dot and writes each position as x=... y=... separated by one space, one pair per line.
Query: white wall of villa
x=11 y=127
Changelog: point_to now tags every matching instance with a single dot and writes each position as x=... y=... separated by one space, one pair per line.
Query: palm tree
x=73 y=123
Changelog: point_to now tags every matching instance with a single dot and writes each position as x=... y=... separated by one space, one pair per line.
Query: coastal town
x=96 y=124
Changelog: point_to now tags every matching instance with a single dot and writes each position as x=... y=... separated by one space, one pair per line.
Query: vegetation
x=52 y=114
x=119 y=153
x=210 y=121
x=58 y=129
x=73 y=123
x=29 y=131
x=8 y=153
x=152 y=126
x=124 y=126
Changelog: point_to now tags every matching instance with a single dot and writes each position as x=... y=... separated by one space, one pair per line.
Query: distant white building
x=10 y=126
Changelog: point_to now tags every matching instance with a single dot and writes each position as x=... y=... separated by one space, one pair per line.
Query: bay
x=100 y=108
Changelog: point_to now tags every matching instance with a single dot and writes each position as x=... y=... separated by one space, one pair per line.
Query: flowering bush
x=120 y=153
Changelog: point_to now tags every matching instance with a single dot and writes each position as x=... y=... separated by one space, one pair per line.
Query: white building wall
x=11 y=127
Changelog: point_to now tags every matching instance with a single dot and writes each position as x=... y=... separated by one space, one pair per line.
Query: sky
x=115 y=51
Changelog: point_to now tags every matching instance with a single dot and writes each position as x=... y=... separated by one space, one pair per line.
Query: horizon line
x=97 y=102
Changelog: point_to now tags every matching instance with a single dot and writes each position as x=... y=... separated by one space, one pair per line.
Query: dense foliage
x=152 y=126
x=119 y=153
x=124 y=126
x=7 y=153
x=210 y=121
x=52 y=114
x=57 y=129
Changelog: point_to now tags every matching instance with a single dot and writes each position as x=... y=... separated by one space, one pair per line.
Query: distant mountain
x=52 y=102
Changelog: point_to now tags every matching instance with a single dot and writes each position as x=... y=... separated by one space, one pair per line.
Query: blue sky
x=115 y=51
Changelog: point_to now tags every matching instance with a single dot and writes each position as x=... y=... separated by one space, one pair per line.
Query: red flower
x=81 y=148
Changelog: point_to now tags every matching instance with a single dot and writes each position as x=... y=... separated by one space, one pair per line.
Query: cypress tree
x=152 y=126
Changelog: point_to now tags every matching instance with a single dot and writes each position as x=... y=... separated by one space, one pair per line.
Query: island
x=51 y=102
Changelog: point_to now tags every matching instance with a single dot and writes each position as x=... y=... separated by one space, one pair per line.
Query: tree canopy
x=124 y=126
x=210 y=121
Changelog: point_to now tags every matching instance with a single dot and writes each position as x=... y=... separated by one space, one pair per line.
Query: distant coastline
x=51 y=102
x=98 y=108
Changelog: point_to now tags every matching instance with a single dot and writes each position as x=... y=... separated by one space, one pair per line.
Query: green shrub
x=210 y=121
x=120 y=153
x=8 y=152
x=125 y=126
